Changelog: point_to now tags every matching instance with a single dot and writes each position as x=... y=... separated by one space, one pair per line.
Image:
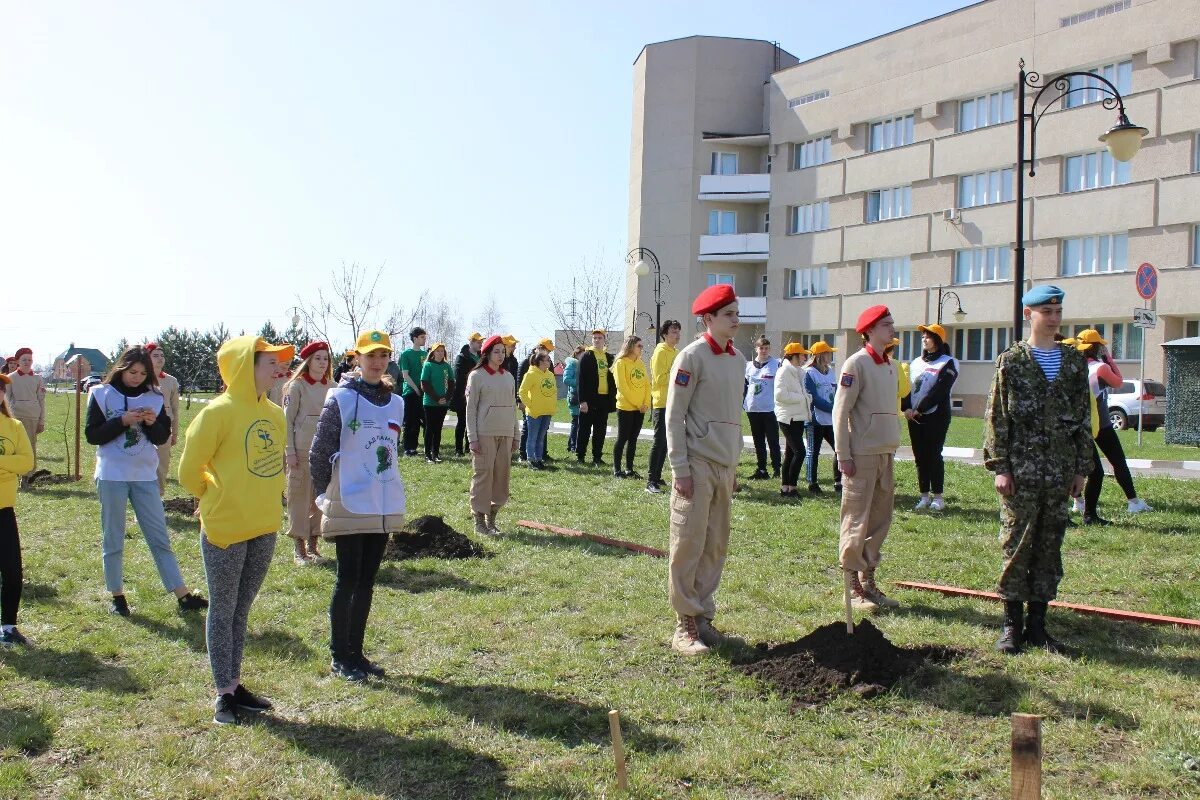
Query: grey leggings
x=234 y=574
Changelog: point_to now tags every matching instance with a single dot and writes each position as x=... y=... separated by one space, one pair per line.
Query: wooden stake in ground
x=1026 y=757
x=848 y=580
x=614 y=727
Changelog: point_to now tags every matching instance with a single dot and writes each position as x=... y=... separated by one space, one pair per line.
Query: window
x=988 y=109
x=764 y=285
x=1102 y=11
x=1119 y=74
x=813 y=152
x=724 y=164
x=1191 y=327
x=809 y=339
x=889 y=133
x=722 y=222
x=809 y=218
x=1088 y=255
x=1124 y=340
x=766 y=222
x=811 y=97
x=984 y=188
x=1196 y=149
x=980 y=344
x=981 y=264
x=1196 y=245
x=889 y=203
x=910 y=345
x=808 y=282
x=1090 y=170
x=715 y=278
x=888 y=273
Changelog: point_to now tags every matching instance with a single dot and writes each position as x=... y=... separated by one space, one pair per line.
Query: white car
x=1123 y=405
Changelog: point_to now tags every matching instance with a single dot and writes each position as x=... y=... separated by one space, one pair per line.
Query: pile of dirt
x=829 y=660
x=431 y=537
x=43 y=477
x=180 y=505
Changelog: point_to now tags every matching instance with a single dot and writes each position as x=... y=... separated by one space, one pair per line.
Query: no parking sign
x=1147 y=281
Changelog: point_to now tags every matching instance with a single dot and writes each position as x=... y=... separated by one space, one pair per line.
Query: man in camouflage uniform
x=1037 y=439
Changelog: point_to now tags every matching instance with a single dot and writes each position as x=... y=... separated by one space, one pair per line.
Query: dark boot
x=1010 y=635
x=1035 y=633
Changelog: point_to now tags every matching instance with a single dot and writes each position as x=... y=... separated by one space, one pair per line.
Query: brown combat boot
x=686 y=640
x=858 y=598
x=491 y=522
x=873 y=592
x=481 y=527
x=708 y=634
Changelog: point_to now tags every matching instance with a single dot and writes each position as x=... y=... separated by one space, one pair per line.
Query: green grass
x=502 y=670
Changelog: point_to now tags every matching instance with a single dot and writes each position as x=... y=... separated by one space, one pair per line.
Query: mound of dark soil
x=431 y=537
x=42 y=477
x=180 y=505
x=829 y=660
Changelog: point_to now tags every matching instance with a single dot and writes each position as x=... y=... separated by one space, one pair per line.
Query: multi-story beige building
x=884 y=172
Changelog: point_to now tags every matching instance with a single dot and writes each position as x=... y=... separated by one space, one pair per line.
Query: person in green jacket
x=437 y=387
x=411 y=362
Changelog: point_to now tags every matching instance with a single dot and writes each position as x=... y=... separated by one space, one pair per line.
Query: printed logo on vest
x=381 y=467
x=264 y=454
x=549 y=387
x=7 y=446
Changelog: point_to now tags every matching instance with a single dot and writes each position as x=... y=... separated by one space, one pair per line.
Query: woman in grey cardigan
x=492 y=433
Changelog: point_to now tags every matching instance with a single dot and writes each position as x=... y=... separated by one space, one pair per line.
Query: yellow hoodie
x=633 y=387
x=233 y=453
x=16 y=458
x=539 y=392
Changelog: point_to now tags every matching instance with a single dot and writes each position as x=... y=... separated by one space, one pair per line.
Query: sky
x=196 y=163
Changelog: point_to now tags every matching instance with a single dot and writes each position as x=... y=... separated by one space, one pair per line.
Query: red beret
x=489 y=343
x=22 y=352
x=869 y=317
x=713 y=299
x=150 y=347
x=313 y=347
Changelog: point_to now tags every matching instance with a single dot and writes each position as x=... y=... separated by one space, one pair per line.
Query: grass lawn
x=502 y=671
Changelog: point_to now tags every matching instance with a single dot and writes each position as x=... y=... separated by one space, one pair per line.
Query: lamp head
x=641 y=268
x=960 y=315
x=1124 y=139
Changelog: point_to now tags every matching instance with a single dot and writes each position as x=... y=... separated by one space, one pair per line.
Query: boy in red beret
x=866 y=435
x=704 y=443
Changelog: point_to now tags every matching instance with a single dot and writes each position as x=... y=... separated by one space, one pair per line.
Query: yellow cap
x=1085 y=339
x=936 y=329
x=436 y=345
x=820 y=348
x=794 y=349
x=284 y=353
x=600 y=331
x=369 y=341
x=547 y=345
x=509 y=339
x=475 y=336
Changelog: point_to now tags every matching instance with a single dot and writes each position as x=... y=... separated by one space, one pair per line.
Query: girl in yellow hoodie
x=232 y=460
x=633 y=401
x=16 y=458
x=539 y=393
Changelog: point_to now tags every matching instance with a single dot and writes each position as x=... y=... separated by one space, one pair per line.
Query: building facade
x=890 y=177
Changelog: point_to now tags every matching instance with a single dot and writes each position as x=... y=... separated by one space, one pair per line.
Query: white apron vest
x=131 y=456
x=924 y=374
x=366 y=459
x=760 y=391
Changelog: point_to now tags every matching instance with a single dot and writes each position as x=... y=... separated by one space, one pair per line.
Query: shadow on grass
x=76 y=668
x=531 y=713
x=279 y=643
x=553 y=540
x=42 y=593
x=416 y=580
x=378 y=762
x=66 y=490
x=189 y=629
x=26 y=730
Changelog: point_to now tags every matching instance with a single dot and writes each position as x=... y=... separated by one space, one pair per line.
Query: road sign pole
x=1142 y=394
x=1146 y=282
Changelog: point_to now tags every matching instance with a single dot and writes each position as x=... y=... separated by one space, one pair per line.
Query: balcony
x=753 y=310
x=736 y=188
x=735 y=247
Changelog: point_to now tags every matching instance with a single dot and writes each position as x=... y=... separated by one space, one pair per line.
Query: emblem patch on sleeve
x=683 y=377
x=847 y=379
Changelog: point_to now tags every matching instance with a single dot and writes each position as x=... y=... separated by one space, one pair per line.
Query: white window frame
x=986 y=188
x=980 y=345
x=717 y=163
x=809 y=339
x=804 y=282
x=715 y=278
x=886 y=134
x=1125 y=341
x=981 y=265
x=994 y=108
x=721 y=216
x=1196 y=245
x=890 y=274
x=885 y=204
x=765 y=283
x=1094 y=255
x=1120 y=73
x=910 y=345
x=813 y=152
x=809 y=218
x=1196 y=147
x=1094 y=170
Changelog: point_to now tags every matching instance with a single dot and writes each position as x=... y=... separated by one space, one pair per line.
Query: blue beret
x=1043 y=296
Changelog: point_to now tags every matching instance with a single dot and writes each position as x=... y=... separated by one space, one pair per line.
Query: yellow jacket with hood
x=233 y=453
x=16 y=458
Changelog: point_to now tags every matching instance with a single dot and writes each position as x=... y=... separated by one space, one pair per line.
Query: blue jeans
x=535 y=442
x=574 y=434
x=148 y=509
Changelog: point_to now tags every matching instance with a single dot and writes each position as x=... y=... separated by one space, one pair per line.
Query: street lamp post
x=943 y=296
x=1123 y=141
x=649 y=320
x=644 y=261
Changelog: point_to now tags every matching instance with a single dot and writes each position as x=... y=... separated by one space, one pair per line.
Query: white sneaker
x=922 y=504
x=937 y=504
x=1137 y=505
x=1078 y=505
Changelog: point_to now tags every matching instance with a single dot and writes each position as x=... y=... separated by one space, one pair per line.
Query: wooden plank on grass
x=591 y=537
x=1026 y=757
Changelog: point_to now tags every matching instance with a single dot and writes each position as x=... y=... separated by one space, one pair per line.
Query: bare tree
x=587 y=299
x=352 y=302
x=443 y=323
x=489 y=320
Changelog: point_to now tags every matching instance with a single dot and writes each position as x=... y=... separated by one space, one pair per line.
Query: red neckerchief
x=491 y=371
x=311 y=381
x=716 y=348
x=23 y=372
x=878 y=359
x=162 y=375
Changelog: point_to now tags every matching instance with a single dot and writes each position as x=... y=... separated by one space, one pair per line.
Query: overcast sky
x=190 y=163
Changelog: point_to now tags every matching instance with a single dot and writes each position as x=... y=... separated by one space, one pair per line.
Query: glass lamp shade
x=1124 y=139
x=641 y=269
x=960 y=315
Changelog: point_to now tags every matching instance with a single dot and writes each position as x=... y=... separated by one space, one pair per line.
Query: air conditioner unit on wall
x=951 y=215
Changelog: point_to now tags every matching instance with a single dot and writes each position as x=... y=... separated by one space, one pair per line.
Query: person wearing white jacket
x=792 y=412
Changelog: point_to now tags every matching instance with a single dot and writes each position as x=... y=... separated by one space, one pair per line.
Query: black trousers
x=629 y=425
x=1108 y=442
x=928 y=437
x=11 y=574
x=592 y=425
x=435 y=416
x=358 y=559
x=413 y=418
x=816 y=433
x=524 y=438
x=658 y=453
x=762 y=428
x=460 y=430
x=793 y=451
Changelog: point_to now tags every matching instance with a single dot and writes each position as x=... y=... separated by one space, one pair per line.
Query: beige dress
x=302 y=409
x=27 y=398
x=169 y=386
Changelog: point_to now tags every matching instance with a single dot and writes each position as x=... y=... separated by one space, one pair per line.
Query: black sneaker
x=620 y=473
x=760 y=475
x=632 y=473
x=226 y=711
x=814 y=488
x=371 y=668
x=247 y=700
x=1095 y=519
x=347 y=670
x=192 y=602
x=652 y=488
x=120 y=606
x=837 y=488
x=12 y=636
